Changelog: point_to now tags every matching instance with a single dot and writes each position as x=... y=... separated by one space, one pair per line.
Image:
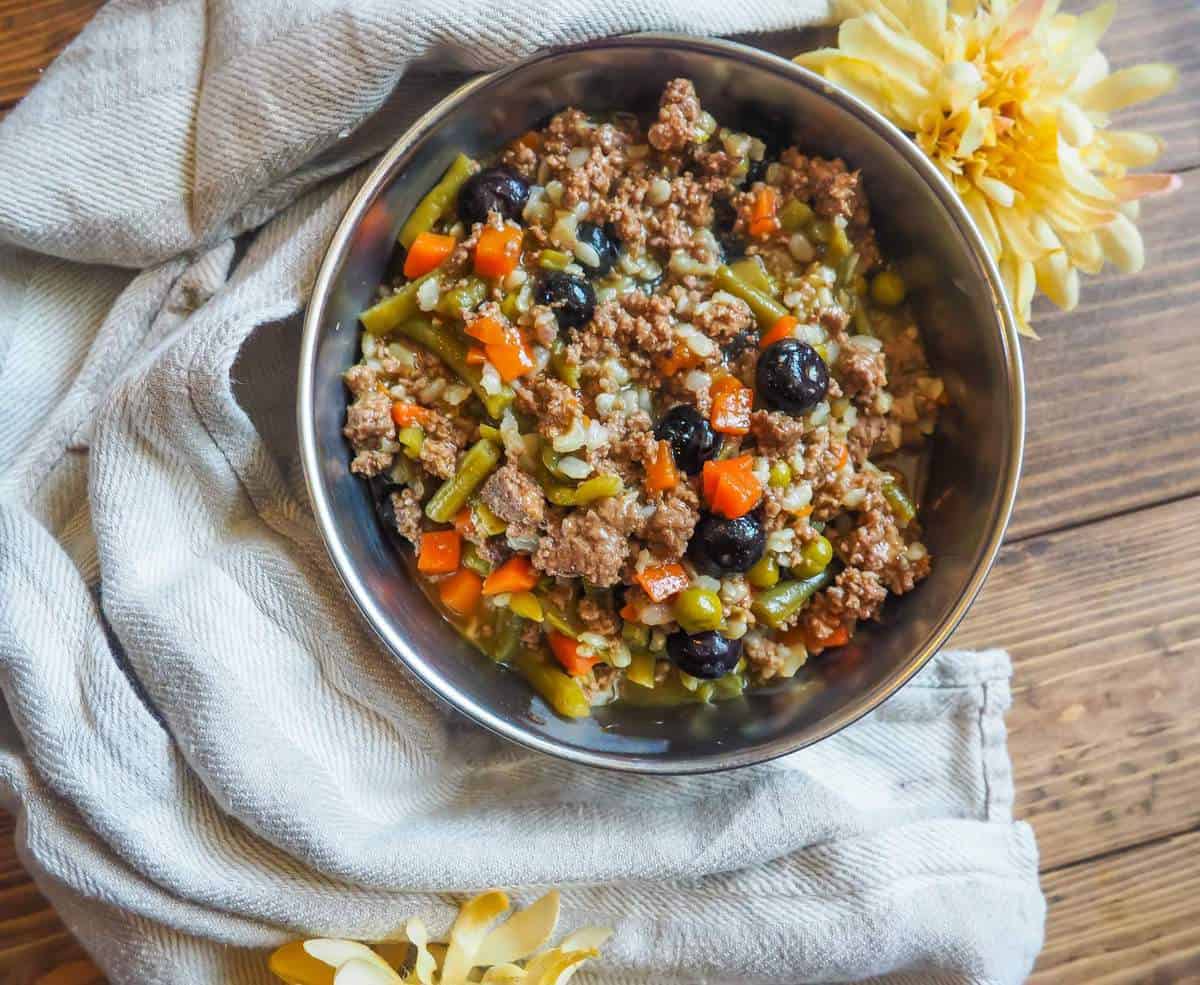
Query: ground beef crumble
x=515 y=497
x=679 y=111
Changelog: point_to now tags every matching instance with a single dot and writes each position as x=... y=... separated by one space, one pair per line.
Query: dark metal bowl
x=968 y=328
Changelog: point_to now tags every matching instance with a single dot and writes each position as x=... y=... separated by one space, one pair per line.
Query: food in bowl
x=649 y=405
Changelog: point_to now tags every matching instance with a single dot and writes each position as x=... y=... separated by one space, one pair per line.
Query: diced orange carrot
x=662 y=581
x=498 y=251
x=662 y=473
x=514 y=575
x=763 y=221
x=460 y=592
x=630 y=612
x=476 y=356
x=803 y=512
x=843 y=457
x=713 y=469
x=511 y=360
x=731 y=406
x=490 y=331
x=462 y=519
x=839 y=637
x=441 y=552
x=730 y=486
x=681 y=358
x=782 y=329
x=405 y=414
x=566 y=652
x=737 y=493
x=428 y=252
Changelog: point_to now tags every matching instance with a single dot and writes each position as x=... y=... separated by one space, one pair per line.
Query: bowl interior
x=976 y=450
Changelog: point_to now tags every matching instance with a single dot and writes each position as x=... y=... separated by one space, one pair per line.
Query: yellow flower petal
x=1131 y=148
x=1122 y=245
x=1017 y=236
x=1078 y=175
x=425 y=965
x=961 y=85
x=359 y=972
x=982 y=214
x=1021 y=21
x=1073 y=124
x=975 y=132
x=1084 y=250
x=1086 y=31
x=468 y=932
x=899 y=59
x=1093 y=70
x=1058 y=280
x=927 y=21
x=997 y=191
x=1134 y=186
x=1130 y=86
x=521 y=934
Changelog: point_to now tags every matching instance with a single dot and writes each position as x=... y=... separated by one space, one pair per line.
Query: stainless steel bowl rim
x=322 y=509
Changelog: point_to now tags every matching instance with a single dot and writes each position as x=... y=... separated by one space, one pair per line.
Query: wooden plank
x=1113 y=392
x=1133 y=919
x=31 y=34
x=1104 y=631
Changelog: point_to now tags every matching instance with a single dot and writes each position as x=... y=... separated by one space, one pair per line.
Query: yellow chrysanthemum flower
x=1013 y=103
x=511 y=952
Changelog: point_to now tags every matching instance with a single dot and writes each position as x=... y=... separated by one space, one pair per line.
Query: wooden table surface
x=1095 y=594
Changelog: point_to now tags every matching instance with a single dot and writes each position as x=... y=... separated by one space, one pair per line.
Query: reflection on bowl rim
x=330 y=268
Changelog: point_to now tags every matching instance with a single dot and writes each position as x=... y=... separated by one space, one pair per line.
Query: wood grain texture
x=31 y=34
x=1132 y=918
x=1104 y=632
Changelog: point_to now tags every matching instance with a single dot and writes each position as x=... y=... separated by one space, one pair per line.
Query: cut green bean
x=753 y=271
x=561 y=692
x=439 y=201
x=766 y=309
x=507 y=639
x=777 y=605
x=558 y=620
x=565 y=371
x=476 y=465
x=899 y=502
x=459 y=300
x=412 y=439
x=597 y=487
x=453 y=353
x=641 y=668
x=487 y=522
x=472 y=560
x=389 y=314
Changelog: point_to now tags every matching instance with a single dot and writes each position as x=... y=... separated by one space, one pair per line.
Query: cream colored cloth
x=207 y=751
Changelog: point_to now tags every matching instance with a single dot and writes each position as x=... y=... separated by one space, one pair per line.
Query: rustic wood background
x=1095 y=594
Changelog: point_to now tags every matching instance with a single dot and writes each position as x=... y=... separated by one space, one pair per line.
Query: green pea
x=780 y=475
x=765 y=572
x=815 y=557
x=888 y=288
x=554 y=259
x=698 y=610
